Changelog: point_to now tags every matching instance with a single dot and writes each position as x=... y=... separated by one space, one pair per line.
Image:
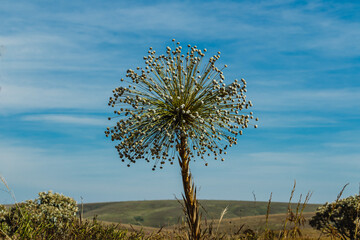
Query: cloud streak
x=66 y=119
x=22 y=98
x=325 y=100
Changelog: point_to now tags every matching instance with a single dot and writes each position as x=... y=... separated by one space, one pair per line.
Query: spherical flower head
x=176 y=96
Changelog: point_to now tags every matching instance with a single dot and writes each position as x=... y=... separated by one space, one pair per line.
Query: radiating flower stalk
x=178 y=108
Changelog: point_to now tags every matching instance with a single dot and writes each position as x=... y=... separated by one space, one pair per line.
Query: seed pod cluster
x=176 y=95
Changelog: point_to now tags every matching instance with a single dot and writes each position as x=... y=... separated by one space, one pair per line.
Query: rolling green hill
x=158 y=213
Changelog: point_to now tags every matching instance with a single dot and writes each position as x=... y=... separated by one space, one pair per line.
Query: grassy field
x=159 y=213
x=233 y=225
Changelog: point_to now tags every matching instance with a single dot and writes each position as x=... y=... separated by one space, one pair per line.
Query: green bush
x=53 y=216
x=339 y=218
x=50 y=210
x=3 y=212
x=54 y=208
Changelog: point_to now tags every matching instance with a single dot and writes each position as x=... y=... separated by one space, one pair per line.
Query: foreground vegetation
x=22 y=226
x=54 y=216
x=19 y=222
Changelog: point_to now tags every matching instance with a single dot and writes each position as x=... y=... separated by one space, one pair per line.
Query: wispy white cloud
x=54 y=48
x=98 y=174
x=95 y=174
x=274 y=171
x=67 y=119
x=38 y=52
x=288 y=120
x=325 y=100
x=22 y=98
x=346 y=141
x=303 y=166
x=302 y=26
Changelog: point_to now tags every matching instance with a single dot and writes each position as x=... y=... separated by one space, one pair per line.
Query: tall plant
x=177 y=108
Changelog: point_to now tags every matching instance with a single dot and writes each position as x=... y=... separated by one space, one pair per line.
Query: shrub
x=50 y=210
x=54 y=208
x=3 y=212
x=339 y=218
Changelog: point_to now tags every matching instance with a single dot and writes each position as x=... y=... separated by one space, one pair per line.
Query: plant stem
x=189 y=196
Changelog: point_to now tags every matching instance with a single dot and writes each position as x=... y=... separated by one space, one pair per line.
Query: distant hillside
x=168 y=212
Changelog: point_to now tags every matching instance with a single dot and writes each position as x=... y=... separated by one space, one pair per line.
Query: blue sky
x=60 y=61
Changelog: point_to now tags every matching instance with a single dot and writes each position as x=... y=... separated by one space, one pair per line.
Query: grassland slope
x=156 y=213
